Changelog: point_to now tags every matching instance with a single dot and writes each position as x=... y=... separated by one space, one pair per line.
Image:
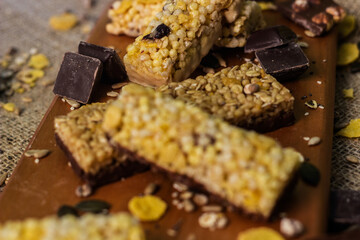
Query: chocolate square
x=114 y=69
x=284 y=63
x=77 y=77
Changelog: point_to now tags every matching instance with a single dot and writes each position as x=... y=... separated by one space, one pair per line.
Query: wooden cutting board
x=38 y=190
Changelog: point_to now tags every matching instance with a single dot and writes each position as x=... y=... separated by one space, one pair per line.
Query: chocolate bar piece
x=77 y=77
x=269 y=38
x=285 y=62
x=317 y=16
x=114 y=70
x=345 y=206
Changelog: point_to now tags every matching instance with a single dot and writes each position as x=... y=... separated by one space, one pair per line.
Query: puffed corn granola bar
x=175 y=41
x=244 y=169
x=89 y=226
x=80 y=136
x=243 y=95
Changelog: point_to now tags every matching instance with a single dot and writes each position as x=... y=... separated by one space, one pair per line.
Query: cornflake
x=352 y=130
x=38 y=61
x=63 y=22
x=348 y=93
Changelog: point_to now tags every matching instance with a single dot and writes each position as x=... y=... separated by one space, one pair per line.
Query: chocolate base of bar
x=198 y=187
x=283 y=119
x=111 y=173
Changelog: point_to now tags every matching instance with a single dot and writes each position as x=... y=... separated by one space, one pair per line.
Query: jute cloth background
x=24 y=25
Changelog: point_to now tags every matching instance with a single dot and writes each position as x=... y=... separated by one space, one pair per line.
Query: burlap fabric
x=24 y=24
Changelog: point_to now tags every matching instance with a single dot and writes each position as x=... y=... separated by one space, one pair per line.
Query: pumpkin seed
x=309 y=174
x=314 y=141
x=65 y=210
x=352 y=158
x=112 y=94
x=93 y=206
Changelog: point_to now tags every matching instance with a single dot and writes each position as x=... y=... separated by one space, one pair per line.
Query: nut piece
x=314 y=141
x=84 y=190
x=337 y=12
x=200 y=199
x=300 y=5
x=309 y=33
x=291 y=227
x=320 y=18
x=251 y=88
x=352 y=158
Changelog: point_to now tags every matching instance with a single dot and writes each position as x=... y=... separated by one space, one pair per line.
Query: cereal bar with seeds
x=235 y=34
x=175 y=41
x=244 y=169
x=88 y=226
x=131 y=17
x=242 y=95
x=240 y=19
x=80 y=136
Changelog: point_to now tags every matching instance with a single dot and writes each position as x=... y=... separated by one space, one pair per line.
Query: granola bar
x=80 y=136
x=242 y=168
x=88 y=226
x=242 y=95
x=174 y=42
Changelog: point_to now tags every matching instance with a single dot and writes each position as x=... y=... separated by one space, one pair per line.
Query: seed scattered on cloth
x=352 y=130
x=10 y=107
x=347 y=26
x=348 y=93
x=347 y=53
x=259 y=233
x=352 y=159
x=63 y=22
x=147 y=208
x=38 y=61
x=314 y=141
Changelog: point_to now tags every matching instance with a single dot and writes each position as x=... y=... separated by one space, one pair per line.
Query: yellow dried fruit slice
x=352 y=130
x=267 y=6
x=38 y=61
x=10 y=107
x=348 y=93
x=347 y=53
x=29 y=76
x=147 y=208
x=63 y=22
x=260 y=233
x=347 y=26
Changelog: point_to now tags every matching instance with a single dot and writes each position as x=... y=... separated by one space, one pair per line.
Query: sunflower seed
x=188 y=206
x=303 y=44
x=186 y=195
x=72 y=103
x=212 y=208
x=174 y=194
x=118 y=85
x=93 y=206
x=309 y=173
x=180 y=187
x=314 y=141
x=221 y=222
x=27 y=99
x=200 y=199
x=291 y=227
x=306 y=138
x=251 y=88
x=37 y=153
x=151 y=188
x=36 y=161
x=352 y=159
x=67 y=210
x=84 y=190
x=171 y=232
x=309 y=33
x=112 y=94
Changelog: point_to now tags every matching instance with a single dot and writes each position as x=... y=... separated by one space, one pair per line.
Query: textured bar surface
x=80 y=136
x=89 y=226
x=225 y=94
x=245 y=169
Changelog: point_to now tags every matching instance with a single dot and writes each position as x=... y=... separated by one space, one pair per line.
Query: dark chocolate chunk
x=317 y=16
x=77 y=77
x=160 y=31
x=113 y=68
x=285 y=62
x=269 y=38
x=345 y=206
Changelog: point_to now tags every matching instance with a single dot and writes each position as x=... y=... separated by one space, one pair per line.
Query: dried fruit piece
x=259 y=234
x=267 y=6
x=10 y=107
x=30 y=76
x=63 y=22
x=38 y=61
x=312 y=104
x=160 y=31
x=147 y=208
x=309 y=174
x=347 y=26
x=348 y=93
x=352 y=130
x=347 y=53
